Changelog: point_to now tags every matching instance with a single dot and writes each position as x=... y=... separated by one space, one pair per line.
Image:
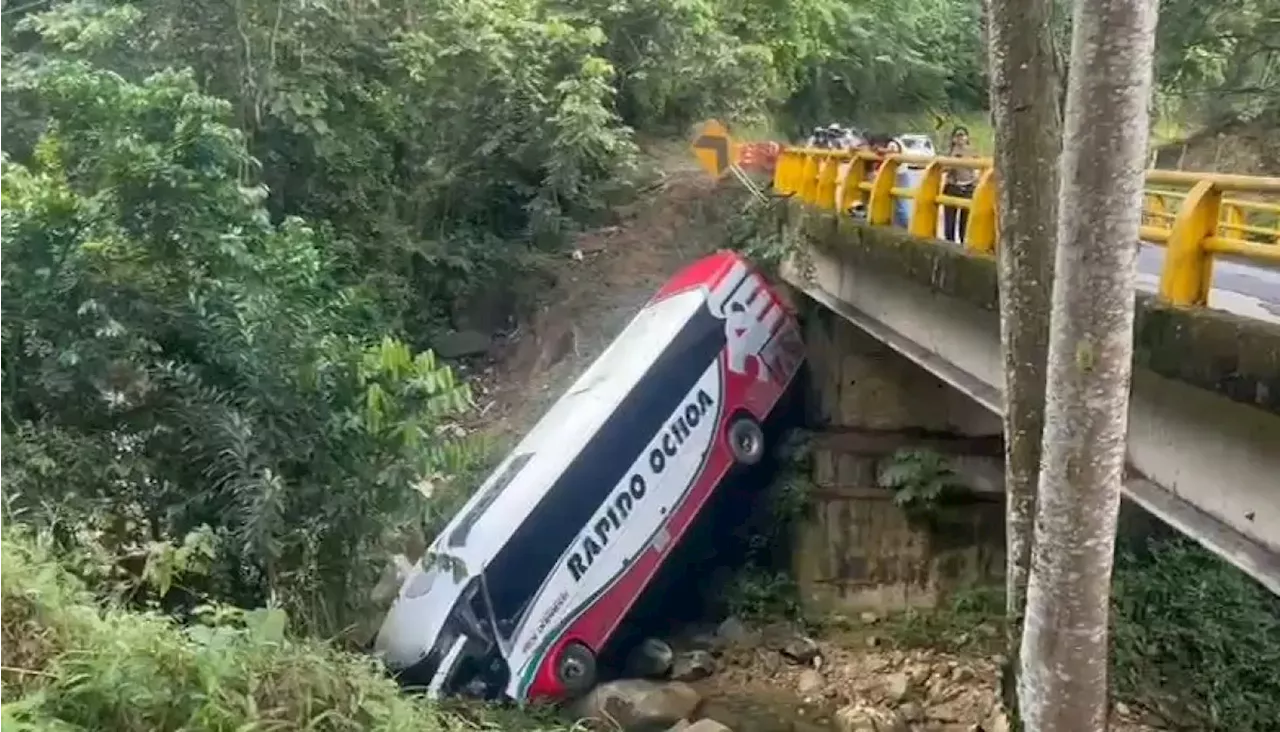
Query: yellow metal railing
x=1187 y=213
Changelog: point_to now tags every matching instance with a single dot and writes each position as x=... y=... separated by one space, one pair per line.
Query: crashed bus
x=530 y=580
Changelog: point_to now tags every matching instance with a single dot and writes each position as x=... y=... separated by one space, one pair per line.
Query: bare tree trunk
x=1028 y=125
x=1063 y=679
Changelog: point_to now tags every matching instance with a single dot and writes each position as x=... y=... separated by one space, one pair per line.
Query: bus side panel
x=762 y=354
x=609 y=561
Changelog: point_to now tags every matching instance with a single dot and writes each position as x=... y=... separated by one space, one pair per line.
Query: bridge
x=1204 y=423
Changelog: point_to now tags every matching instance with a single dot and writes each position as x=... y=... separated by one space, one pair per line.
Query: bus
x=532 y=577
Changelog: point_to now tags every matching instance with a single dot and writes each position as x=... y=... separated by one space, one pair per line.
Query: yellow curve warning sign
x=713 y=148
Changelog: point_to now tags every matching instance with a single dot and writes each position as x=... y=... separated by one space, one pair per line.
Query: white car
x=914 y=144
x=917 y=145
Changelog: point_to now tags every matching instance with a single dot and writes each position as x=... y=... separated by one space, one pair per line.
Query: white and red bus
x=533 y=576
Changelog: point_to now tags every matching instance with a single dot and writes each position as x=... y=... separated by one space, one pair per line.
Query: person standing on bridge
x=960 y=184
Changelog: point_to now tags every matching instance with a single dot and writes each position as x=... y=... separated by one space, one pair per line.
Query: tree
x=1063 y=675
x=1028 y=127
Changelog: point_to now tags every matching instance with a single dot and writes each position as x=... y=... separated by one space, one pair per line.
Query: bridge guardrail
x=1194 y=216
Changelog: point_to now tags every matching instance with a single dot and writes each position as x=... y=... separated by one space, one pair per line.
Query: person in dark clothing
x=960 y=183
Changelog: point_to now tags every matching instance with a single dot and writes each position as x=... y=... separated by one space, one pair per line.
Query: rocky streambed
x=776 y=678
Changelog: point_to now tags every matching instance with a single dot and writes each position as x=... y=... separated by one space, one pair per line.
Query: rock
x=864 y=718
x=961 y=674
x=996 y=721
x=794 y=646
x=801 y=649
x=919 y=675
x=809 y=682
x=488 y=310
x=705 y=725
x=1123 y=709
x=962 y=705
x=869 y=618
x=734 y=632
x=638 y=705
x=693 y=665
x=897 y=687
x=709 y=642
x=462 y=343
x=911 y=712
x=650 y=660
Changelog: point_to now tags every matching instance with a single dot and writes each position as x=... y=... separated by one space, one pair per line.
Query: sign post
x=713 y=148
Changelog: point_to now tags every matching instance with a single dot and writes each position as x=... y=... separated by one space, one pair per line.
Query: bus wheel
x=746 y=441
x=576 y=669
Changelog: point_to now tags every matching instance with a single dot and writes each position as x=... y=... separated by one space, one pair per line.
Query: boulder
x=703 y=725
x=639 y=705
x=801 y=649
x=693 y=665
x=793 y=645
x=897 y=687
x=913 y=712
x=651 y=659
x=810 y=682
x=462 y=343
x=487 y=310
x=734 y=632
x=865 y=718
x=996 y=721
x=709 y=642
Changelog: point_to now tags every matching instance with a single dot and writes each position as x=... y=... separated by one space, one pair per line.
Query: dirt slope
x=611 y=273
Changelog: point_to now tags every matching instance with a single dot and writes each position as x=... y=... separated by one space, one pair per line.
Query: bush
x=1195 y=638
x=72 y=665
x=175 y=362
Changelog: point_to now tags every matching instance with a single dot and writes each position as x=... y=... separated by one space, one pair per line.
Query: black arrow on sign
x=718 y=145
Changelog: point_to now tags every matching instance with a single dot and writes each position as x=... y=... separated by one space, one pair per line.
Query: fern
x=922 y=480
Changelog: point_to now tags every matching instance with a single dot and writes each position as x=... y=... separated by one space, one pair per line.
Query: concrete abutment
x=859 y=550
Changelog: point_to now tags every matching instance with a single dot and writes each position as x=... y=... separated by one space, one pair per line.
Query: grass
x=72 y=664
x=972 y=622
x=1195 y=638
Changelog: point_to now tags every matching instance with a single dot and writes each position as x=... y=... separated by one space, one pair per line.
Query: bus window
x=458 y=537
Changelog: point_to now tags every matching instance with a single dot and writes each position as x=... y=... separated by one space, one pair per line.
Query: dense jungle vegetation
x=233 y=229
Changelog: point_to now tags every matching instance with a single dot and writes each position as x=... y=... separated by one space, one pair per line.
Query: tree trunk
x=1028 y=140
x=1063 y=680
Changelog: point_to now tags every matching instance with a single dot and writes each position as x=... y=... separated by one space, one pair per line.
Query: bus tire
x=576 y=669
x=746 y=441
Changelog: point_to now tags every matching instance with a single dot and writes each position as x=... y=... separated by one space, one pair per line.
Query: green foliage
x=1219 y=60
x=174 y=360
x=70 y=665
x=971 y=621
x=1195 y=638
x=763 y=587
x=1192 y=637
x=441 y=142
x=758 y=594
x=894 y=57
x=922 y=481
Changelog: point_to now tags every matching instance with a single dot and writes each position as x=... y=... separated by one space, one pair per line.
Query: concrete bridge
x=1204 y=441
